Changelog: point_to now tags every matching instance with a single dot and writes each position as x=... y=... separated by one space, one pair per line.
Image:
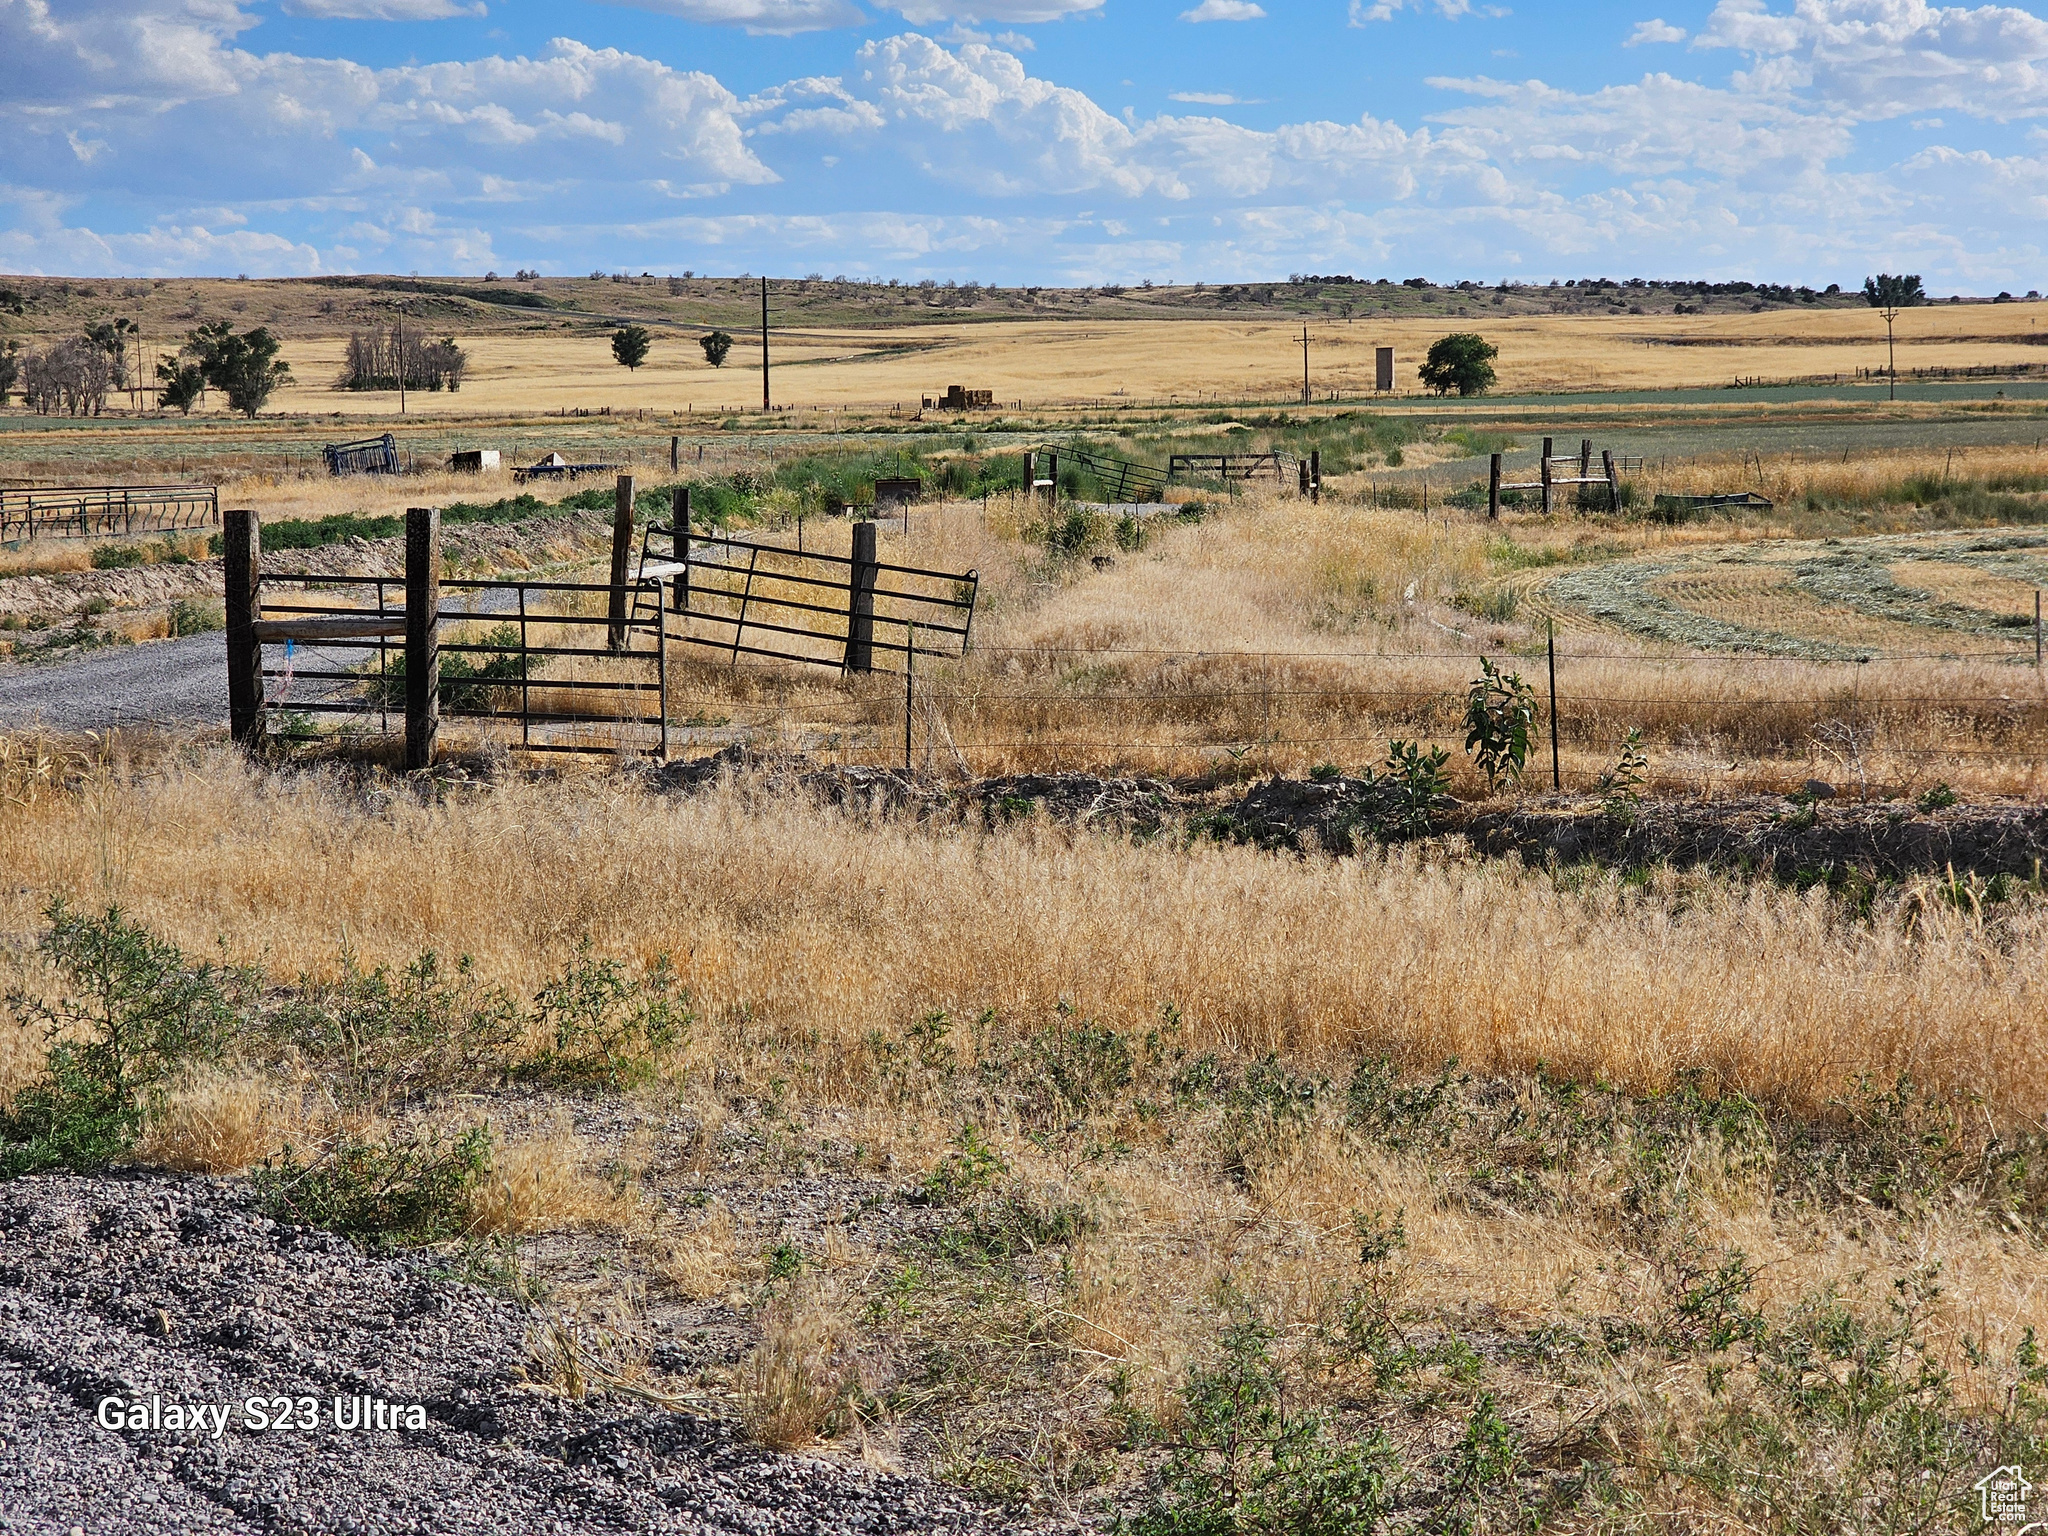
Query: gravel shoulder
x=174 y=1289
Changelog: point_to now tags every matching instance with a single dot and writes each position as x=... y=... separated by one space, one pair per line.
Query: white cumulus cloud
x=1224 y=10
x=780 y=18
x=384 y=10
x=1363 y=13
x=1886 y=58
x=1656 y=30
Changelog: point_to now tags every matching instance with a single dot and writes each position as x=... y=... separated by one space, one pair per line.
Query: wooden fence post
x=1545 y=477
x=242 y=549
x=675 y=453
x=1315 y=474
x=1493 y=488
x=860 y=601
x=422 y=634
x=1585 y=457
x=681 y=512
x=622 y=550
x=1302 y=465
x=1613 y=479
x=1550 y=648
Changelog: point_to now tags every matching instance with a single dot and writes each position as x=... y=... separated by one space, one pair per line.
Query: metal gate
x=743 y=597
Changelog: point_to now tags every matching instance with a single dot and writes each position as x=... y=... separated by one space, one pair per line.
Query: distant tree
x=10 y=368
x=630 y=344
x=113 y=337
x=716 y=346
x=1462 y=361
x=1888 y=295
x=244 y=367
x=179 y=385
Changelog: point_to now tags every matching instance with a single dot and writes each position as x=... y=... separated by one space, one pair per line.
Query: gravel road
x=169 y=1290
x=166 y=682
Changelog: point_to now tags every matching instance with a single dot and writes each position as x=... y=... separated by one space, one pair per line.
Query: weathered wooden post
x=1030 y=474
x=1613 y=479
x=1052 y=480
x=1302 y=465
x=242 y=551
x=1585 y=457
x=680 y=505
x=1550 y=648
x=1493 y=488
x=1315 y=474
x=1545 y=476
x=675 y=453
x=422 y=634
x=860 y=600
x=622 y=550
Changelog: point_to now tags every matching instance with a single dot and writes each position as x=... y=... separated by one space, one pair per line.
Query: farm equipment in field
x=555 y=467
x=367 y=456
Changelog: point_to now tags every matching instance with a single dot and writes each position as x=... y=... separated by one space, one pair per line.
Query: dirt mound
x=1764 y=834
x=157 y=1292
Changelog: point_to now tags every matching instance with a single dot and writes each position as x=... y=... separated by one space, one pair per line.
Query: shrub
x=1500 y=714
x=716 y=348
x=1242 y=1463
x=382 y=1035
x=133 y=1012
x=116 y=557
x=190 y=618
x=604 y=1028
x=397 y=1193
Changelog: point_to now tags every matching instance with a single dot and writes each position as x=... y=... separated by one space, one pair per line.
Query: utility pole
x=764 y=344
x=400 y=359
x=1304 y=365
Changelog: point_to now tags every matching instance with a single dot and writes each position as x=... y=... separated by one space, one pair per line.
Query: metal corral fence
x=847 y=612
x=571 y=666
x=100 y=511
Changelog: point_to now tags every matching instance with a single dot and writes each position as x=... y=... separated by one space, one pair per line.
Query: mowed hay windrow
x=822 y=926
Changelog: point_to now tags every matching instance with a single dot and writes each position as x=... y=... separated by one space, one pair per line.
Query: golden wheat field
x=1039 y=362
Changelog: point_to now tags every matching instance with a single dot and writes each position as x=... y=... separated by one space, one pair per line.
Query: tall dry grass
x=1276 y=635
x=821 y=927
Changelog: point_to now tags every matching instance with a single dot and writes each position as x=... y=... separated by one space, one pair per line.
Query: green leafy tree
x=630 y=344
x=1500 y=716
x=1461 y=361
x=113 y=337
x=1888 y=295
x=179 y=385
x=244 y=367
x=716 y=346
x=10 y=368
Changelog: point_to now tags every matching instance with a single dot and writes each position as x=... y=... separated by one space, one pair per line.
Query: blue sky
x=1028 y=141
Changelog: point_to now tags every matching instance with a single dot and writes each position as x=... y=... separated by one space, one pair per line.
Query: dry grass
x=1277 y=635
x=822 y=928
x=226 y=1121
x=796 y=1377
x=805 y=936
